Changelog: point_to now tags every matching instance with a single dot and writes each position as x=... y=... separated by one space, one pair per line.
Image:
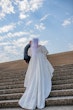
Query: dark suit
x=26 y=57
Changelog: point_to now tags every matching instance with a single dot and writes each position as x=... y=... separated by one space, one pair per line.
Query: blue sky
x=21 y=20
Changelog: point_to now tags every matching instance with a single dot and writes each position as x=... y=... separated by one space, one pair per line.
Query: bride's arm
x=44 y=50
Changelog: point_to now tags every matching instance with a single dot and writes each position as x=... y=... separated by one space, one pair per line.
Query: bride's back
x=40 y=49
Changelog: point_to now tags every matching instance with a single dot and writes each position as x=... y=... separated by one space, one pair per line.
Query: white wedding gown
x=37 y=80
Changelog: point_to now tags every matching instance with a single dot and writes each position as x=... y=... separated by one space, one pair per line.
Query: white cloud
x=68 y=21
x=4 y=57
x=11 y=50
x=12 y=35
x=44 y=17
x=28 y=23
x=6 y=8
x=4 y=43
x=21 y=42
x=17 y=34
x=40 y=26
x=35 y=4
x=1 y=38
x=43 y=42
x=26 y=6
x=7 y=28
x=20 y=22
x=23 y=5
x=23 y=16
x=2 y=15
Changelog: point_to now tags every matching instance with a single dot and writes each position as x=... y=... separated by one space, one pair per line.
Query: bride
x=38 y=78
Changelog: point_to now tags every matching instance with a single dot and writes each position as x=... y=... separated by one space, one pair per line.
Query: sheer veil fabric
x=38 y=78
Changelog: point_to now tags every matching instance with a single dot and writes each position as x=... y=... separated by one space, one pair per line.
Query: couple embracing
x=38 y=76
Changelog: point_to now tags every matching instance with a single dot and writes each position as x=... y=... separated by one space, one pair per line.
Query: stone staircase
x=12 y=88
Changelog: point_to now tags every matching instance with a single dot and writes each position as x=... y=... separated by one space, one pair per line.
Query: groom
x=26 y=57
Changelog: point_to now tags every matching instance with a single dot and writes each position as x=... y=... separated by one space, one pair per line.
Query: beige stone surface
x=63 y=58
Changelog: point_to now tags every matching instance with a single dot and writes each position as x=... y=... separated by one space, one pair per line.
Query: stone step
x=12 y=83
x=12 y=77
x=63 y=73
x=60 y=93
x=11 y=80
x=21 y=89
x=11 y=86
x=10 y=96
x=62 y=86
x=54 y=87
x=10 y=91
x=63 y=77
x=55 y=93
x=23 y=75
x=14 y=108
x=21 y=81
x=53 y=101
x=63 y=69
x=9 y=103
x=10 y=72
x=56 y=82
x=70 y=107
x=7 y=74
x=58 y=70
x=22 y=78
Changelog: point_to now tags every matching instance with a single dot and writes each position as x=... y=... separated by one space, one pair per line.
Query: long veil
x=34 y=46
